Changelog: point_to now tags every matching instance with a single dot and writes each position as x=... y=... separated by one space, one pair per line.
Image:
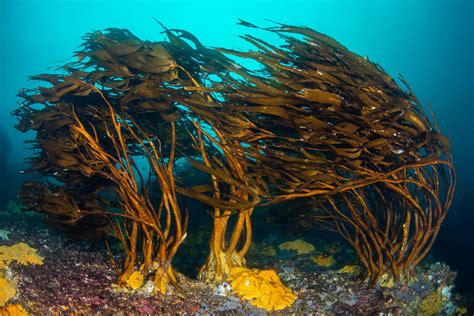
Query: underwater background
x=429 y=42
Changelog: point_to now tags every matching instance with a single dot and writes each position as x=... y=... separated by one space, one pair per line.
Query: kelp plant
x=314 y=123
x=233 y=188
x=319 y=122
x=103 y=143
x=112 y=125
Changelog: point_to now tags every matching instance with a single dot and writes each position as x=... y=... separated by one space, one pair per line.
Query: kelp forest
x=303 y=127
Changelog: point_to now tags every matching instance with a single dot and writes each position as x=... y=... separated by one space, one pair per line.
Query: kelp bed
x=319 y=135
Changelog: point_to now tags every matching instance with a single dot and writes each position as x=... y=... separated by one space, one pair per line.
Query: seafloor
x=78 y=279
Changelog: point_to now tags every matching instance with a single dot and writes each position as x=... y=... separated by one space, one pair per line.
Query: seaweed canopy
x=319 y=122
x=104 y=130
x=99 y=120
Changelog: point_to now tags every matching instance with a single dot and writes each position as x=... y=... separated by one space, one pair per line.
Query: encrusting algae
x=263 y=288
x=351 y=269
x=299 y=245
x=431 y=304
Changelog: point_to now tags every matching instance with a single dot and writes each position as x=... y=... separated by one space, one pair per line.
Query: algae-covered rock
x=387 y=280
x=263 y=288
x=351 y=269
x=298 y=245
x=432 y=304
x=324 y=261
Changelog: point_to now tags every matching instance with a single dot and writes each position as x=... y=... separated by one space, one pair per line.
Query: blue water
x=429 y=42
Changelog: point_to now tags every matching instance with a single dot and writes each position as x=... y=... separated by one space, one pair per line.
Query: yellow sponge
x=262 y=288
x=23 y=254
x=7 y=291
x=20 y=252
x=12 y=310
x=135 y=280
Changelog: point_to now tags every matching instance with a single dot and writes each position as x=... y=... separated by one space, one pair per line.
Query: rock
x=351 y=269
x=298 y=245
x=324 y=261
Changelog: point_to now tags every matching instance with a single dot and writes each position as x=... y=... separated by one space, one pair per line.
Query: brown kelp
x=89 y=140
x=114 y=106
x=314 y=123
x=233 y=188
x=231 y=191
x=318 y=121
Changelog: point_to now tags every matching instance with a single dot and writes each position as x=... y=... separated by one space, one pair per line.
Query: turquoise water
x=429 y=42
